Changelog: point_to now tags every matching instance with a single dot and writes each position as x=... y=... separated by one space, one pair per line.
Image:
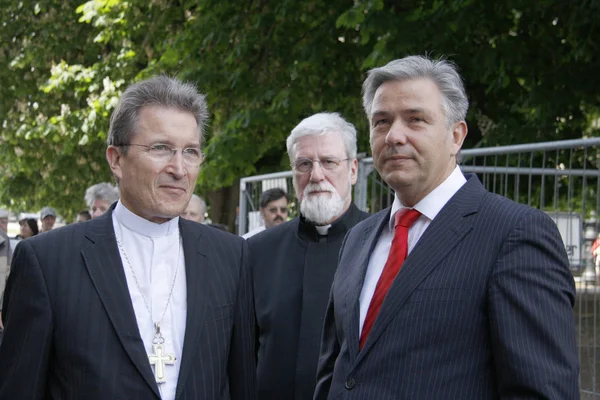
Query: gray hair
x=320 y=124
x=101 y=191
x=160 y=91
x=202 y=202
x=442 y=72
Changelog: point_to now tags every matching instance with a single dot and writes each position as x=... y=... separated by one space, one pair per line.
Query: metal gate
x=560 y=178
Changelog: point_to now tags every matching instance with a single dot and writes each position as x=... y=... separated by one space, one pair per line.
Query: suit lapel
x=105 y=268
x=367 y=244
x=449 y=227
x=195 y=253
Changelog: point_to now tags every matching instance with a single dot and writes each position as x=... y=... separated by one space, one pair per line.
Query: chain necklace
x=159 y=358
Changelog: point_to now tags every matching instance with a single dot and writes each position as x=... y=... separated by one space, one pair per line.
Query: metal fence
x=560 y=178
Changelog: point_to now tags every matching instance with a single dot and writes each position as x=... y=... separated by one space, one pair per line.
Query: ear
x=354 y=171
x=459 y=133
x=113 y=156
x=262 y=212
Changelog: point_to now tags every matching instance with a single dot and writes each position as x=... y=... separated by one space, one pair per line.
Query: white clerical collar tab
x=142 y=226
x=323 y=229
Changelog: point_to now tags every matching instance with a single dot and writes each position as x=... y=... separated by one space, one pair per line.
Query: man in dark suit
x=481 y=308
x=293 y=263
x=137 y=303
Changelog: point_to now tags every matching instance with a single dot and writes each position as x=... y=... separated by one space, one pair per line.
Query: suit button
x=350 y=383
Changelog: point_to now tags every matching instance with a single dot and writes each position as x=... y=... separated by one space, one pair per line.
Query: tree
x=59 y=82
x=530 y=71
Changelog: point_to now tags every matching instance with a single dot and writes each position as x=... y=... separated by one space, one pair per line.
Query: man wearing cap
x=48 y=216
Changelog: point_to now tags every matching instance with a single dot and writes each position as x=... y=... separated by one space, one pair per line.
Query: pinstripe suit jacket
x=481 y=309
x=70 y=327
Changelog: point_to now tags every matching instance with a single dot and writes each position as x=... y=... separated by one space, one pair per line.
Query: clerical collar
x=142 y=226
x=322 y=229
x=340 y=226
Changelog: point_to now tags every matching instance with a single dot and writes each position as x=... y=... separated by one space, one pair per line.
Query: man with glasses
x=293 y=263
x=273 y=208
x=136 y=303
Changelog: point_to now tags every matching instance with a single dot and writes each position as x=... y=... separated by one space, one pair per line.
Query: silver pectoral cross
x=160 y=359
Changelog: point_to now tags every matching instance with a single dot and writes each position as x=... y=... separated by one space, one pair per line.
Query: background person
x=100 y=197
x=3 y=220
x=48 y=218
x=273 y=208
x=596 y=254
x=195 y=210
x=83 y=216
x=5 y=258
x=29 y=227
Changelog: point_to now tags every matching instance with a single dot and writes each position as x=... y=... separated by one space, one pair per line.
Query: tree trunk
x=223 y=206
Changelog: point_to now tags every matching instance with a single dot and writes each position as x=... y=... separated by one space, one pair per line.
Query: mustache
x=319 y=187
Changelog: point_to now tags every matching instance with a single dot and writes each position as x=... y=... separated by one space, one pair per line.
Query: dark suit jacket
x=70 y=328
x=292 y=273
x=481 y=309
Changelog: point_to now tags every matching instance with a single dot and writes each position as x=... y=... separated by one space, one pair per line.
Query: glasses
x=163 y=153
x=282 y=210
x=306 y=164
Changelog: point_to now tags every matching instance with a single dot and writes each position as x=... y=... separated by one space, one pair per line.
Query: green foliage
x=530 y=70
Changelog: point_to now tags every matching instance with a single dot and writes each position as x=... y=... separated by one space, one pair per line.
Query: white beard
x=322 y=208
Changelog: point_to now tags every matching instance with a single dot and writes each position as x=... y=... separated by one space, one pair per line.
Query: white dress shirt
x=253 y=232
x=429 y=207
x=153 y=251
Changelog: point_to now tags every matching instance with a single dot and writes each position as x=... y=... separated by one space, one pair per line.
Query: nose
x=396 y=136
x=96 y=213
x=316 y=173
x=176 y=165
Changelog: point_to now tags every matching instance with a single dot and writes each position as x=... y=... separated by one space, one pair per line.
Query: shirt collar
x=142 y=226
x=432 y=204
x=322 y=230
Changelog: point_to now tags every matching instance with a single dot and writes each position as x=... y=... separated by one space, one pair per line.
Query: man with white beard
x=293 y=263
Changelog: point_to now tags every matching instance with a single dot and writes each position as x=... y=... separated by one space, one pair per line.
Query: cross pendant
x=159 y=359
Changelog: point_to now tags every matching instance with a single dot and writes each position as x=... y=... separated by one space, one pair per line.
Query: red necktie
x=398 y=252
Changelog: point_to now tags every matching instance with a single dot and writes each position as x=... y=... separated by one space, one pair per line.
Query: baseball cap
x=47 y=212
